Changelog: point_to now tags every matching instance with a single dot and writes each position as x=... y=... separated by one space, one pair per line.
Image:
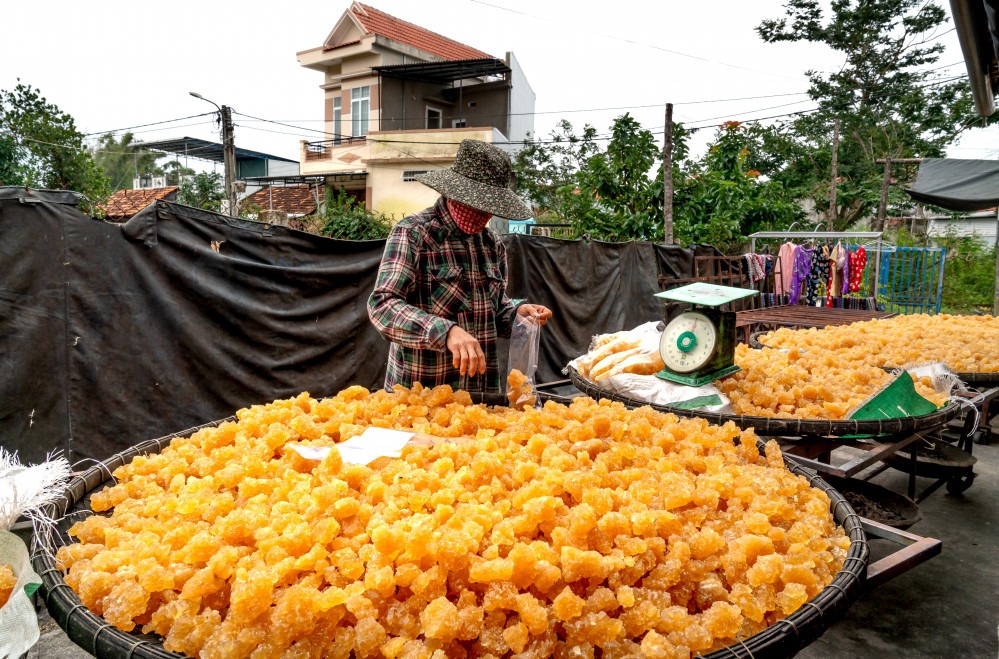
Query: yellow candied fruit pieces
x=438 y=619
x=567 y=605
x=966 y=344
x=516 y=636
x=636 y=532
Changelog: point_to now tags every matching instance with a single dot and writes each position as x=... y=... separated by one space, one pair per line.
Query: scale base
x=696 y=379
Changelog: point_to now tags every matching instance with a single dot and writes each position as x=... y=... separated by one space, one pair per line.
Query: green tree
x=175 y=172
x=720 y=200
x=43 y=149
x=890 y=104
x=612 y=194
x=10 y=161
x=347 y=219
x=546 y=168
x=621 y=180
x=122 y=160
x=203 y=190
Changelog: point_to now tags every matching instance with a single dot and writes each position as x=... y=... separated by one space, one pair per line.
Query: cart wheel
x=958 y=484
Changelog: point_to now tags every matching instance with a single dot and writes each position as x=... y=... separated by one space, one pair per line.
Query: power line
x=191 y=152
x=518 y=114
x=155 y=123
x=639 y=43
x=772 y=107
x=525 y=114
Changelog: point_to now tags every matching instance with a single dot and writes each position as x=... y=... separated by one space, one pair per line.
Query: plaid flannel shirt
x=433 y=276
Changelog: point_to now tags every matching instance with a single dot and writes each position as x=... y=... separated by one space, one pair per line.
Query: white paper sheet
x=363 y=449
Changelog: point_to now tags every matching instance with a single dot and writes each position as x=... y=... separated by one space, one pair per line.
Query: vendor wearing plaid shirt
x=440 y=296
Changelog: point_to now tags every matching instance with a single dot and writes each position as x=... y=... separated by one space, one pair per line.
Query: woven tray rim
x=784 y=638
x=772 y=426
x=978 y=379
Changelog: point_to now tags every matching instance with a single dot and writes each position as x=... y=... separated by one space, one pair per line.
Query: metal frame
x=876 y=236
x=913 y=270
x=915 y=550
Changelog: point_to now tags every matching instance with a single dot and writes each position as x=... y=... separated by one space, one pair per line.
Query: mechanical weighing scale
x=698 y=346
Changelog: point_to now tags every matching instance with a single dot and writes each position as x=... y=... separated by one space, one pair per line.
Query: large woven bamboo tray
x=777 y=427
x=972 y=379
x=95 y=635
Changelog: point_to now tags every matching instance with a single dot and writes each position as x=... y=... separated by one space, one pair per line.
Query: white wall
x=982 y=226
x=522 y=99
x=282 y=168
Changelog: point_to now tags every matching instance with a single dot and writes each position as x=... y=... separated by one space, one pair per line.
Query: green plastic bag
x=897 y=400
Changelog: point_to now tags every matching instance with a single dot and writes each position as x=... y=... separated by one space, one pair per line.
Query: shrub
x=347 y=219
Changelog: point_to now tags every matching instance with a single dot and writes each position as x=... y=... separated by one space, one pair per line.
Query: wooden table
x=800 y=315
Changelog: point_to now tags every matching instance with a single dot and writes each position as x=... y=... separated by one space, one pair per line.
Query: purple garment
x=799 y=273
x=846 y=274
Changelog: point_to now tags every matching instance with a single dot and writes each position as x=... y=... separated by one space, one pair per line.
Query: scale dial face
x=688 y=342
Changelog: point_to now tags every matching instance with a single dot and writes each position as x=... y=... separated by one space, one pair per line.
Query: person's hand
x=466 y=351
x=536 y=311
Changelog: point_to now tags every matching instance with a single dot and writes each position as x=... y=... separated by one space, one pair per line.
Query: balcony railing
x=320 y=150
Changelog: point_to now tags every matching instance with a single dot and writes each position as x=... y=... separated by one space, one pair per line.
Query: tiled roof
x=123 y=204
x=374 y=21
x=293 y=199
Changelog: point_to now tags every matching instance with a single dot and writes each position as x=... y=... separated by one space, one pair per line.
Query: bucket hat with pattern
x=481 y=177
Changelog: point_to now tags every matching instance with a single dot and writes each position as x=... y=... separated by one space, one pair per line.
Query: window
x=459 y=123
x=434 y=118
x=409 y=175
x=337 y=131
x=360 y=104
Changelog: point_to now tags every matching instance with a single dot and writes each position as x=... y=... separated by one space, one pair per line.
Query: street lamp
x=228 y=152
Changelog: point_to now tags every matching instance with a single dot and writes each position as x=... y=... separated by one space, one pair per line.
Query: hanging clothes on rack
x=858 y=262
x=756 y=266
x=837 y=262
x=818 y=276
x=785 y=257
x=799 y=272
x=845 y=289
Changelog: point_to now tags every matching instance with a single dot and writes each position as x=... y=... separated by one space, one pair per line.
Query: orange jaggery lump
x=807 y=384
x=555 y=531
x=7 y=582
x=520 y=391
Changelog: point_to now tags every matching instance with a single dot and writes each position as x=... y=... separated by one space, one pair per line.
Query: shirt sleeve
x=388 y=309
x=505 y=307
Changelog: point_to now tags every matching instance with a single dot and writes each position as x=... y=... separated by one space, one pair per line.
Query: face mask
x=470 y=220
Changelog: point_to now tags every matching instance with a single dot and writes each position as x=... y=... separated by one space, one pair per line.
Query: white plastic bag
x=944 y=380
x=652 y=389
x=18 y=620
x=611 y=353
x=525 y=342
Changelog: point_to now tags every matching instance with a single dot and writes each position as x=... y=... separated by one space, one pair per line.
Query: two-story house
x=399 y=99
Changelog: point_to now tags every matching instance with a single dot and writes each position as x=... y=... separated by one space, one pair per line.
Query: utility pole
x=885 y=183
x=229 y=158
x=833 y=212
x=883 y=205
x=228 y=152
x=668 y=178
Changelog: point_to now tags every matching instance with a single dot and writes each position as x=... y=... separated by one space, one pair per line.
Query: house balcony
x=430 y=148
x=343 y=154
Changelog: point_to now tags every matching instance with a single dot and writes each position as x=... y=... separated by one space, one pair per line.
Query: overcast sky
x=116 y=64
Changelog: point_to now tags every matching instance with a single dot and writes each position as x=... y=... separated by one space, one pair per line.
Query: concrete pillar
x=280 y=218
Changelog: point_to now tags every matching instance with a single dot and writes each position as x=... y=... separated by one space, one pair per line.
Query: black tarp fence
x=113 y=334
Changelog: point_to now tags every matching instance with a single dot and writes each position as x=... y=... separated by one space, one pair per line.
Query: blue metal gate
x=910 y=279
